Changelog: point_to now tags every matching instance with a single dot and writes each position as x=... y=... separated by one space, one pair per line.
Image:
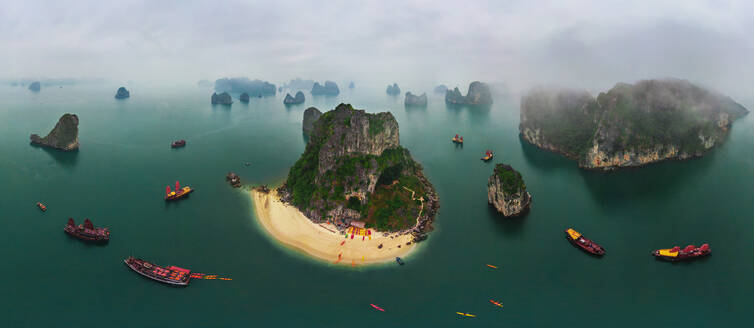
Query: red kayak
x=377 y=307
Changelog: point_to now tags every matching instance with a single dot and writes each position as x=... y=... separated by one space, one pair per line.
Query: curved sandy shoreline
x=322 y=241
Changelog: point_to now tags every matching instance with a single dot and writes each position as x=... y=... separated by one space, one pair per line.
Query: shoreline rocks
x=221 y=99
x=233 y=179
x=64 y=136
x=506 y=191
x=413 y=100
x=298 y=99
x=479 y=95
x=311 y=115
x=122 y=93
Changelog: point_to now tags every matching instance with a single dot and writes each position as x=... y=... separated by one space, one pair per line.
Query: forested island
x=629 y=125
x=355 y=170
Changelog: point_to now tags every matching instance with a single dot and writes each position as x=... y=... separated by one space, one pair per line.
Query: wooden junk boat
x=487 y=156
x=178 y=144
x=171 y=275
x=585 y=244
x=458 y=140
x=87 y=231
x=42 y=207
x=178 y=193
x=690 y=252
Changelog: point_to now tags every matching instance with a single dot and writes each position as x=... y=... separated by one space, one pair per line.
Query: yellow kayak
x=466 y=314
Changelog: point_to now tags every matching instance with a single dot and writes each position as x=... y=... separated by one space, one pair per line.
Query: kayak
x=377 y=307
x=491 y=266
x=466 y=314
x=496 y=303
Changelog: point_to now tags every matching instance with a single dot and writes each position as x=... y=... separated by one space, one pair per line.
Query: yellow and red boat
x=690 y=252
x=466 y=314
x=578 y=240
x=178 y=193
x=487 y=156
x=457 y=139
x=42 y=207
x=496 y=303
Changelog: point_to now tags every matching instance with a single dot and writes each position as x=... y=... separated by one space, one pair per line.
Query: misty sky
x=590 y=44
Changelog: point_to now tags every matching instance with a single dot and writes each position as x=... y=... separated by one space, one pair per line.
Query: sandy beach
x=322 y=241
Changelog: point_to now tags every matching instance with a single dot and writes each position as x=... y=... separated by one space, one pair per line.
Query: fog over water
x=589 y=44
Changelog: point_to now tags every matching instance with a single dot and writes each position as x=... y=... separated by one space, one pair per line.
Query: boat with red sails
x=578 y=240
x=178 y=144
x=178 y=193
x=171 y=275
x=87 y=231
x=457 y=139
x=690 y=252
x=487 y=156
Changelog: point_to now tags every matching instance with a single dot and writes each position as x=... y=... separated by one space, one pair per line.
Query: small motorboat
x=178 y=193
x=457 y=139
x=466 y=314
x=690 y=252
x=42 y=207
x=87 y=231
x=496 y=303
x=178 y=144
x=487 y=156
x=585 y=244
x=377 y=308
x=399 y=260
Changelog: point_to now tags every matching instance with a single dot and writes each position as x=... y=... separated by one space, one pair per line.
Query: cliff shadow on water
x=637 y=184
x=544 y=159
x=66 y=159
x=507 y=226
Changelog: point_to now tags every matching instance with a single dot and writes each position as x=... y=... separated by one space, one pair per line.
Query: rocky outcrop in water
x=233 y=179
x=354 y=168
x=244 y=97
x=506 y=191
x=479 y=95
x=299 y=99
x=255 y=88
x=329 y=89
x=441 y=89
x=35 y=86
x=630 y=125
x=122 y=93
x=413 y=100
x=393 y=90
x=221 y=99
x=311 y=114
x=64 y=136
x=351 y=85
x=299 y=84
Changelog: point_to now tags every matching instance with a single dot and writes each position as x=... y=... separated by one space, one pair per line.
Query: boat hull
x=680 y=259
x=589 y=250
x=135 y=268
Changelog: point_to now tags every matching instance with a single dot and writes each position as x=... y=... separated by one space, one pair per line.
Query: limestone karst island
x=378 y=163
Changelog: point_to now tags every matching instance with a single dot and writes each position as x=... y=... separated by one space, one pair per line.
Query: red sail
x=88 y=224
x=71 y=222
x=167 y=190
x=177 y=186
x=456 y=136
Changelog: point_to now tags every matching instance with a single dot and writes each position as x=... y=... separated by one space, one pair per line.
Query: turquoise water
x=118 y=177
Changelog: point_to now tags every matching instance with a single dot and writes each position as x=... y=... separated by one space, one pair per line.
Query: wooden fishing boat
x=690 y=252
x=487 y=156
x=457 y=139
x=578 y=240
x=87 y=231
x=42 y=207
x=178 y=193
x=171 y=275
x=178 y=144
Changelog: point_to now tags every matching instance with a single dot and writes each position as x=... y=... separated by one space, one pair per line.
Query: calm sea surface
x=118 y=178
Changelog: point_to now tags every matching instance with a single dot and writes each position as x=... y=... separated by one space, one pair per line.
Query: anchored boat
x=585 y=244
x=178 y=193
x=42 y=207
x=487 y=156
x=399 y=260
x=690 y=252
x=178 y=144
x=87 y=231
x=172 y=275
x=458 y=140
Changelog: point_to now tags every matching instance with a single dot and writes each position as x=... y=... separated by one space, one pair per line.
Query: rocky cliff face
x=221 y=99
x=311 y=115
x=630 y=125
x=122 y=93
x=415 y=101
x=506 y=191
x=393 y=90
x=299 y=99
x=64 y=136
x=329 y=89
x=354 y=168
x=479 y=95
